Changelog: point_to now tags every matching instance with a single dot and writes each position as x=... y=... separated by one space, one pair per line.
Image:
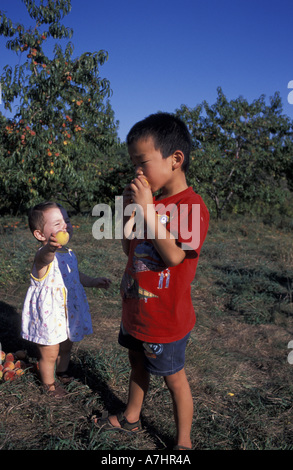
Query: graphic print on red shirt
x=156 y=299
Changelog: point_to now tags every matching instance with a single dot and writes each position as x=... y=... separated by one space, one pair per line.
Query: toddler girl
x=55 y=311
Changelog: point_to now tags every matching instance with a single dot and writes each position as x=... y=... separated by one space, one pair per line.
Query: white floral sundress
x=55 y=306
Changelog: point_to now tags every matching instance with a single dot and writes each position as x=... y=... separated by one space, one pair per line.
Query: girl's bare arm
x=98 y=282
x=44 y=257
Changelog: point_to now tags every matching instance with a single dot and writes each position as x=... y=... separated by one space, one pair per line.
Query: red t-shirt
x=156 y=300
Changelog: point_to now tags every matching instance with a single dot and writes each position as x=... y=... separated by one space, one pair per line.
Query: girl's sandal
x=64 y=378
x=178 y=447
x=58 y=391
x=105 y=424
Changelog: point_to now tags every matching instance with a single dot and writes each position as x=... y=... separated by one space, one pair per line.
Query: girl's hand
x=53 y=244
x=101 y=282
x=98 y=282
x=45 y=256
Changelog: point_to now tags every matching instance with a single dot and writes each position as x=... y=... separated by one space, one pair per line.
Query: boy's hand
x=141 y=192
x=127 y=196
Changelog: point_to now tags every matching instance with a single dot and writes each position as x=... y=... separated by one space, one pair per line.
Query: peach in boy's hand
x=62 y=237
x=143 y=178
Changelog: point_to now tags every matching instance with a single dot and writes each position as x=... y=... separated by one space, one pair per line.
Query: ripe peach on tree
x=55 y=92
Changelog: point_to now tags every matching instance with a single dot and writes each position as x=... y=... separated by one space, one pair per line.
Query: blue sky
x=165 y=53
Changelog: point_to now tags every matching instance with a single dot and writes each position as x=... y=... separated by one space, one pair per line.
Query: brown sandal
x=104 y=423
x=58 y=391
x=178 y=447
x=64 y=378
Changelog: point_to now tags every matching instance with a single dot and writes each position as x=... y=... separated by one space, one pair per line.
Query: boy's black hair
x=36 y=215
x=168 y=132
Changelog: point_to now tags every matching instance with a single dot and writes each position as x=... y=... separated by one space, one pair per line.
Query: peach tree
x=241 y=152
x=63 y=132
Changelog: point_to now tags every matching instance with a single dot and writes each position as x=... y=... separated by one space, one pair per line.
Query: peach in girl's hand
x=62 y=237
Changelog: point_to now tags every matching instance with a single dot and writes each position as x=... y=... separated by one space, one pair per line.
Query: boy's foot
x=178 y=447
x=123 y=425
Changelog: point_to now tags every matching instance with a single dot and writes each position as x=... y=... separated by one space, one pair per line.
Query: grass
x=236 y=360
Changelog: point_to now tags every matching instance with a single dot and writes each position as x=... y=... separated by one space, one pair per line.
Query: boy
x=157 y=313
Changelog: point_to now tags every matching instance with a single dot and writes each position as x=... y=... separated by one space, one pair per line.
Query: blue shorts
x=159 y=359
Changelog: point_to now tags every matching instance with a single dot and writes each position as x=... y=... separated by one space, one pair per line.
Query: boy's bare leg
x=138 y=387
x=182 y=406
